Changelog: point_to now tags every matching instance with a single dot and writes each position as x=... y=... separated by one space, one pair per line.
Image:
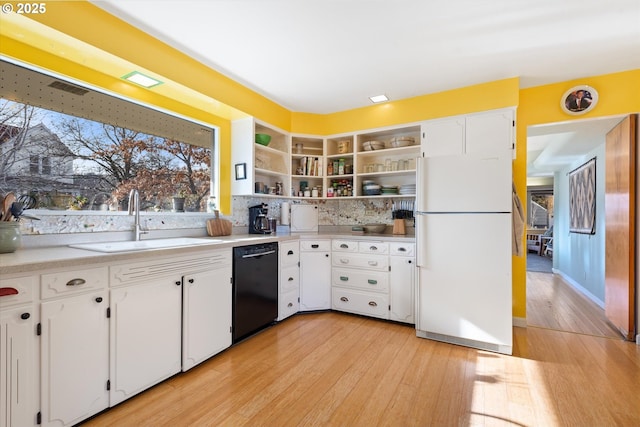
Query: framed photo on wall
x=582 y=198
x=579 y=100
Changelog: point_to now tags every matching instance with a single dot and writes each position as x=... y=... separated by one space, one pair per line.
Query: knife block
x=398 y=226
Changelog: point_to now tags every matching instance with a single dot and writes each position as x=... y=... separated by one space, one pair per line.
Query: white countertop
x=38 y=258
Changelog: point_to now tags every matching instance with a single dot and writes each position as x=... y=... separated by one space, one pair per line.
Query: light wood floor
x=332 y=369
x=552 y=303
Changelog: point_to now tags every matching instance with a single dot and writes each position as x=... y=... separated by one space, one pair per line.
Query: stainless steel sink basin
x=141 y=245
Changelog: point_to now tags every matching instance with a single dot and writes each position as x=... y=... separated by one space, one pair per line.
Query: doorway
x=570 y=297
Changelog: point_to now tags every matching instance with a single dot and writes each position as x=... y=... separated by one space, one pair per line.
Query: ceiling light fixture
x=142 y=80
x=378 y=98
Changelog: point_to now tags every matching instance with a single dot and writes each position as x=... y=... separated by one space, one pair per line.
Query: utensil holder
x=399 y=227
x=10 y=237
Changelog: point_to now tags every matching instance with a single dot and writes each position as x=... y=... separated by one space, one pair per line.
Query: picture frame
x=579 y=100
x=582 y=198
x=241 y=171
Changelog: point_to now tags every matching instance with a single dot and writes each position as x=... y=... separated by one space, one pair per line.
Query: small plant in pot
x=178 y=201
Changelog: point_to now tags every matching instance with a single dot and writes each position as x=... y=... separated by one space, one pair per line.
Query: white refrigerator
x=463 y=234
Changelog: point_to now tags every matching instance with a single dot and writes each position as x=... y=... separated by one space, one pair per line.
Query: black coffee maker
x=258 y=221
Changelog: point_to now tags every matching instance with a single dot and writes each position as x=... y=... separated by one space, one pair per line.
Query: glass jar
x=10 y=237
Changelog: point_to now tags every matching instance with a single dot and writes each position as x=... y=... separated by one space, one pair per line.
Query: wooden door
x=620 y=214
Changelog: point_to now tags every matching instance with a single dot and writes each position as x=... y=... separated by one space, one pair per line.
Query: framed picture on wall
x=579 y=100
x=582 y=198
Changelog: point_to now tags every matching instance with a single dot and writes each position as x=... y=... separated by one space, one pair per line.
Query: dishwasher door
x=255 y=288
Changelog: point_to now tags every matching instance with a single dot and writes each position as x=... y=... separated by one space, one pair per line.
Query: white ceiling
x=324 y=56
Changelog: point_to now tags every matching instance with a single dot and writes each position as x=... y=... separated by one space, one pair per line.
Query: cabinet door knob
x=99 y=299
x=326 y=255
x=76 y=282
x=178 y=283
x=373 y=304
x=25 y=316
x=191 y=280
x=344 y=299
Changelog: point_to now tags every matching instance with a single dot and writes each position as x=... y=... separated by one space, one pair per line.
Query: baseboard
x=519 y=322
x=577 y=286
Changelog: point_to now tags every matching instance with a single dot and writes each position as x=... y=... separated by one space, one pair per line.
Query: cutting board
x=218 y=226
x=304 y=218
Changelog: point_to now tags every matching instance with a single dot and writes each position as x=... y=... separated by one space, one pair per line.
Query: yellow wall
x=41 y=41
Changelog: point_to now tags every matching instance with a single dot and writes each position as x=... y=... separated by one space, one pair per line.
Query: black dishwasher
x=255 y=288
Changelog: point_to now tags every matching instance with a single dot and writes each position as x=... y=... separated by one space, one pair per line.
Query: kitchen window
x=66 y=161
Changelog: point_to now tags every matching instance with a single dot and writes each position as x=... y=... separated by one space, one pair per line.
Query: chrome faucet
x=134 y=205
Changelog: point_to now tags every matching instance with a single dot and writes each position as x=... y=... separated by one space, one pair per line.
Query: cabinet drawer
x=359 y=302
x=73 y=281
x=373 y=247
x=289 y=253
x=344 y=245
x=289 y=279
x=402 y=249
x=370 y=262
x=288 y=304
x=377 y=281
x=17 y=290
x=315 y=245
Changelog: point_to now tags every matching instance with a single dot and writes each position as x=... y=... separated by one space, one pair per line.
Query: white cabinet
x=315 y=275
x=402 y=277
x=289 y=279
x=206 y=314
x=487 y=132
x=74 y=346
x=145 y=335
x=360 y=280
x=18 y=352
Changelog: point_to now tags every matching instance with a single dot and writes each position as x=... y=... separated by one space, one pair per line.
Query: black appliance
x=255 y=288
x=258 y=221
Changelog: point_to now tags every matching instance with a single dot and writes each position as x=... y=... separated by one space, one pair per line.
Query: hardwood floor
x=552 y=303
x=333 y=369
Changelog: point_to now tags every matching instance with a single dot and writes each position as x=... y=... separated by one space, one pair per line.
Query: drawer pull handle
x=344 y=299
x=372 y=282
x=5 y=292
x=344 y=260
x=402 y=249
x=315 y=246
x=373 y=248
x=76 y=282
x=373 y=304
x=99 y=299
x=344 y=278
x=25 y=316
x=373 y=263
x=290 y=253
x=291 y=279
x=290 y=304
x=344 y=246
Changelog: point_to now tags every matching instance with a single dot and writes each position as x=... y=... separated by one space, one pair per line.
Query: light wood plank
x=334 y=369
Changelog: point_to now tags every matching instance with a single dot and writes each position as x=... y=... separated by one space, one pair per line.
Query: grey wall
x=581 y=257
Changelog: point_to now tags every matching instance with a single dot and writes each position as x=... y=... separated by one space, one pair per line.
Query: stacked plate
x=408 y=189
x=389 y=189
x=372 y=145
x=400 y=141
x=370 y=188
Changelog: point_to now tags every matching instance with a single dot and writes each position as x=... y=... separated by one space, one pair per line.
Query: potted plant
x=178 y=201
x=77 y=203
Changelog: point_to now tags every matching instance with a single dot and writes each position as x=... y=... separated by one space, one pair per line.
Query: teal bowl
x=263 y=139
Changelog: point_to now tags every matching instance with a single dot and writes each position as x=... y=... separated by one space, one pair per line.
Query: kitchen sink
x=141 y=245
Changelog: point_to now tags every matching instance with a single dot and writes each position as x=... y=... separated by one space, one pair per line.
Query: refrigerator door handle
x=421 y=256
x=420 y=185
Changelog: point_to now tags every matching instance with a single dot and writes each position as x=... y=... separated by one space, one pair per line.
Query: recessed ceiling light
x=378 y=98
x=142 y=80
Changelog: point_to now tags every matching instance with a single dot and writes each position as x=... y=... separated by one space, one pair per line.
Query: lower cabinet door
x=402 y=292
x=360 y=302
x=75 y=358
x=145 y=336
x=288 y=304
x=206 y=315
x=18 y=368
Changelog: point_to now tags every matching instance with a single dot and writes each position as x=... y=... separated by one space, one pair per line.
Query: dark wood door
x=620 y=205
